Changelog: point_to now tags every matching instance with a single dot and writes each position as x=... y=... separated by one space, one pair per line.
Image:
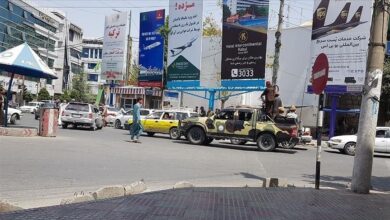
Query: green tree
x=210 y=27
x=80 y=90
x=65 y=96
x=27 y=96
x=43 y=94
x=164 y=32
x=384 y=106
x=134 y=73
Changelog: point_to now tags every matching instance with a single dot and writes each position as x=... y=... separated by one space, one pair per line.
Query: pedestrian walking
x=136 y=128
x=2 y=101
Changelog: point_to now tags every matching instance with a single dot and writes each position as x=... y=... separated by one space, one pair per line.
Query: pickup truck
x=239 y=123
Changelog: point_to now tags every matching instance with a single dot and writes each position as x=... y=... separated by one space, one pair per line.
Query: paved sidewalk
x=223 y=203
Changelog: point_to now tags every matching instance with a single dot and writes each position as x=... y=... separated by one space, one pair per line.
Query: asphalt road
x=41 y=171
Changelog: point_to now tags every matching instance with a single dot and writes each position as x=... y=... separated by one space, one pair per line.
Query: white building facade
x=92 y=58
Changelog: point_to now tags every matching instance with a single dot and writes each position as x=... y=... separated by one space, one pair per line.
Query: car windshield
x=144 y=112
x=32 y=104
x=78 y=107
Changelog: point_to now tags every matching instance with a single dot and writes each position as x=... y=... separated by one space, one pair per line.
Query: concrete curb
x=18 y=132
x=183 y=184
x=7 y=207
x=109 y=192
x=135 y=188
x=77 y=199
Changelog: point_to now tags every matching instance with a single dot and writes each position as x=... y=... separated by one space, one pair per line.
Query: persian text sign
x=115 y=46
x=185 y=43
x=151 y=49
x=244 y=43
x=341 y=30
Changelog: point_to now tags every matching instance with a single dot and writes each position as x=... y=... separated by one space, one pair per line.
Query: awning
x=136 y=91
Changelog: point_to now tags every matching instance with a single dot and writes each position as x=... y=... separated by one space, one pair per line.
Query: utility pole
x=278 y=44
x=362 y=168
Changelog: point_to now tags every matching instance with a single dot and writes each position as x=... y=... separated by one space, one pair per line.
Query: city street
x=41 y=171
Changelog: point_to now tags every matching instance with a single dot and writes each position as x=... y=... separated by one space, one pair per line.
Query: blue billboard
x=151 y=49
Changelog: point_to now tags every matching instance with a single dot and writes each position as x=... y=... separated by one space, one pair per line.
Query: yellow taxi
x=164 y=122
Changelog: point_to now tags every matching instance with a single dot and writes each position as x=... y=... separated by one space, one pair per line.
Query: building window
x=50 y=63
x=93 y=77
x=96 y=53
x=74 y=53
x=71 y=35
x=100 y=53
x=75 y=68
x=85 y=52
x=91 y=66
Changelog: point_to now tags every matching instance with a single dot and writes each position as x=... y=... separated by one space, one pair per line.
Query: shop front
x=125 y=97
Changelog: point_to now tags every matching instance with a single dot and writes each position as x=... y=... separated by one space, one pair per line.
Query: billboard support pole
x=320 y=116
x=364 y=153
x=211 y=99
x=333 y=115
x=278 y=44
x=111 y=93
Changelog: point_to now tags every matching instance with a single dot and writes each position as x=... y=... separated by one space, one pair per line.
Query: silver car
x=81 y=114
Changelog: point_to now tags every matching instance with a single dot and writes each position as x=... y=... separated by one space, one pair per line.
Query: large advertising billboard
x=151 y=49
x=185 y=43
x=341 y=31
x=244 y=43
x=115 y=46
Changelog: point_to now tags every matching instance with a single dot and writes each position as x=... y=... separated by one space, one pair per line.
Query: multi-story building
x=49 y=34
x=20 y=22
x=92 y=58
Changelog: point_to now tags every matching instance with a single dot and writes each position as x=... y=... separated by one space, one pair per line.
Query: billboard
x=185 y=43
x=115 y=46
x=244 y=43
x=341 y=31
x=151 y=49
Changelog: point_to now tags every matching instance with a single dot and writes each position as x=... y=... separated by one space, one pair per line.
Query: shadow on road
x=237 y=147
x=378 y=155
x=339 y=182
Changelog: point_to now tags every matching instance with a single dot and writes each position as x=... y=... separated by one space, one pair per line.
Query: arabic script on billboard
x=244 y=43
x=151 y=49
x=185 y=43
x=341 y=30
x=115 y=46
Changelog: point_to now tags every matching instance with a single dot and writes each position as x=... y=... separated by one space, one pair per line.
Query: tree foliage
x=211 y=28
x=80 y=90
x=164 y=32
x=43 y=94
x=386 y=79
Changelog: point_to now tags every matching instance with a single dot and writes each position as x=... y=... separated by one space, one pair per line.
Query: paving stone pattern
x=223 y=203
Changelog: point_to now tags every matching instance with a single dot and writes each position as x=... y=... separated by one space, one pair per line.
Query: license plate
x=76 y=115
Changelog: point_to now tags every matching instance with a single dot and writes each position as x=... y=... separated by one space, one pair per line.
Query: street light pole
x=278 y=44
x=362 y=167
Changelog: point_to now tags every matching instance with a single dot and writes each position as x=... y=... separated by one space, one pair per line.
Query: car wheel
x=13 y=119
x=64 y=125
x=237 y=141
x=150 y=134
x=196 y=135
x=174 y=133
x=349 y=148
x=208 y=141
x=266 y=142
x=117 y=124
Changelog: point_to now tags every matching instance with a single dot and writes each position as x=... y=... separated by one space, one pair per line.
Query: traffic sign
x=320 y=73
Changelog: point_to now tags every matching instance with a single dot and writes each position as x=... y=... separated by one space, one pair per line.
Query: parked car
x=13 y=115
x=239 y=123
x=347 y=143
x=81 y=114
x=123 y=117
x=112 y=112
x=164 y=122
x=31 y=107
x=37 y=113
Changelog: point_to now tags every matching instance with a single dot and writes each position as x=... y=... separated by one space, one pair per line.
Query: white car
x=13 y=115
x=123 y=117
x=347 y=143
x=31 y=107
x=111 y=114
